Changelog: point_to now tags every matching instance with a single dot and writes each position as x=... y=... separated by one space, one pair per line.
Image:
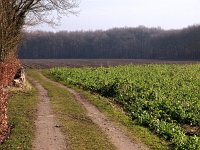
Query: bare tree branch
x=15 y=14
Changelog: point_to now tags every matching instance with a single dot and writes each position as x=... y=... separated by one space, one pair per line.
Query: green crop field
x=164 y=98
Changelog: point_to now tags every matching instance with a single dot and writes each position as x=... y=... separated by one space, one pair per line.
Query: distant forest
x=126 y=43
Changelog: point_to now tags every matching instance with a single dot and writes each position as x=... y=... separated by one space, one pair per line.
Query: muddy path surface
x=113 y=131
x=48 y=134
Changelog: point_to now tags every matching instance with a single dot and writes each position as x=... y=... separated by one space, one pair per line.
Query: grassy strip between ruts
x=116 y=114
x=80 y=132
x=22 y=113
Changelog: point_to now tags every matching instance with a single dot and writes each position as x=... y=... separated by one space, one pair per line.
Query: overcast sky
x=106 y=14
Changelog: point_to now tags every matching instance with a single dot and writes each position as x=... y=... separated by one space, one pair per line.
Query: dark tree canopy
x=132 y=43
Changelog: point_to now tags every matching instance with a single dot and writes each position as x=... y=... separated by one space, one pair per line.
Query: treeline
x=130 y=43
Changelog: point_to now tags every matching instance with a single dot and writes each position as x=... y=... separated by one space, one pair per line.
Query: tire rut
x=48 y=136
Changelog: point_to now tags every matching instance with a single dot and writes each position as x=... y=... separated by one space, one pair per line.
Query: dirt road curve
x=114 y=133
x=48 y=135
x=117 y=137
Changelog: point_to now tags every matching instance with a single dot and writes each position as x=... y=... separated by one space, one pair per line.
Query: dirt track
x=48 y=135
x=113 y=131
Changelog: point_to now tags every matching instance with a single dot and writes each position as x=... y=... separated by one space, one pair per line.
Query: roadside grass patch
x=80 y=132
x=22 y=108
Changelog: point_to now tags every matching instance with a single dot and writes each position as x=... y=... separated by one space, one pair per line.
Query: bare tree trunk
x=7 y=72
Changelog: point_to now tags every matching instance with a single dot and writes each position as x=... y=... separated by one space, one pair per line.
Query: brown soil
x=191 y=130
x=113 y=131
x=48 y=135
x=49 y=63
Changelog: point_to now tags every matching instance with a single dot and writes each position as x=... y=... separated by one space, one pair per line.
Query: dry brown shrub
x=7 y=72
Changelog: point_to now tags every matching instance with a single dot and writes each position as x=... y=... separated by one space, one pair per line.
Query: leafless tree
x=14 y=15
x=9 y=33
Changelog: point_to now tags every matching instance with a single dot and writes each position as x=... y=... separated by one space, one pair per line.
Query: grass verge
x=22 y=113
x=116 y=114
x=80 y=132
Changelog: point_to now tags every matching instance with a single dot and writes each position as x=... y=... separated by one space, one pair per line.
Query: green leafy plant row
x=164 y=98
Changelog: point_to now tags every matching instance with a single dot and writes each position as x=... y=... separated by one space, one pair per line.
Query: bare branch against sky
x=105 y=14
